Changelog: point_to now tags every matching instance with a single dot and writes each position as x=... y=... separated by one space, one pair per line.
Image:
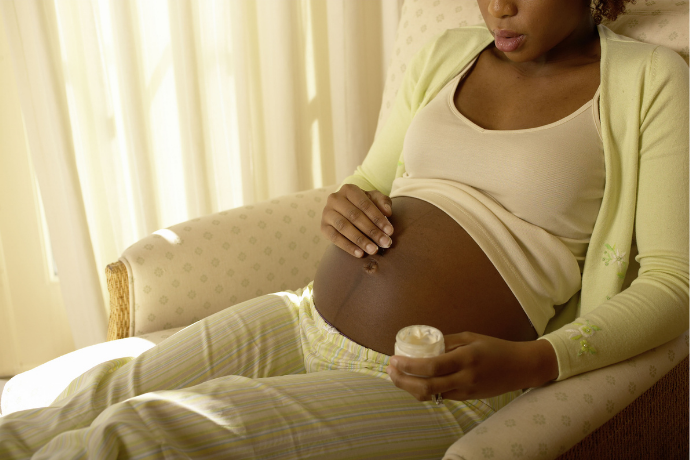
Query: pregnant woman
x=499 y=204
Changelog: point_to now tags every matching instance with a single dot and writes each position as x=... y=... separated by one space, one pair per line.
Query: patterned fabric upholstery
x=194 y=269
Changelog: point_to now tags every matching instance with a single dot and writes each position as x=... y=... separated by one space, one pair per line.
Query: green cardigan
x=644 y=124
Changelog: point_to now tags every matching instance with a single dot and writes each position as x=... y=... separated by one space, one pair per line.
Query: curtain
x=140 y=114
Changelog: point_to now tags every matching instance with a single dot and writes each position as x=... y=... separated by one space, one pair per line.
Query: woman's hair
x=608 y=9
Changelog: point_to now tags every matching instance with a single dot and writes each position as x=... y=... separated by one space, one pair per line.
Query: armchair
x=168 y=280
x=191 y=270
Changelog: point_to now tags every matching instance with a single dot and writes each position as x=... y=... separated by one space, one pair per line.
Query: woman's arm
x=654 y=309
x=476 y=366
x=379 y=168
x=377 y=172
x=356 y=216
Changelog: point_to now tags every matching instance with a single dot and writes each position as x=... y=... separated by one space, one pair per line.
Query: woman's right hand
x=357 y=221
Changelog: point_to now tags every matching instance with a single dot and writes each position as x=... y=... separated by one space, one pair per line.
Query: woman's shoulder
x=450 y=47
x=623 y=53
x=458 y=40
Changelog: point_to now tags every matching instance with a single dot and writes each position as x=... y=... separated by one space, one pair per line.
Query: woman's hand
x=357 y=221
x=476 y=366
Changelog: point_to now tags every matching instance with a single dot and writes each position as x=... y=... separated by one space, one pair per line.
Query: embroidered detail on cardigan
x=584 y=330
x=586 y=347
x=615 y=255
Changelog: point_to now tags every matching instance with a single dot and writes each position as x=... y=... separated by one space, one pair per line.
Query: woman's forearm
x=545 y=362
x=476 y=366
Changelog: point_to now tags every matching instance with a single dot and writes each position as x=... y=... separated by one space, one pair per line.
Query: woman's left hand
x=476 y=366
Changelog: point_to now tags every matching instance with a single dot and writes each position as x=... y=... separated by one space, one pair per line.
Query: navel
x=371 y=266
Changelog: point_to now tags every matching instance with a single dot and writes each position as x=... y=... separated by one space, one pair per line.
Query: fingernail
x=388 y=369
x=371 y=248
x=388 y=207
x=388 y=229
x=393 y=362
x=359 y=252
x=385 y=242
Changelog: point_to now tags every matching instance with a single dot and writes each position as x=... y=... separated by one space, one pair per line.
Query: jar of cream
x=419 y=342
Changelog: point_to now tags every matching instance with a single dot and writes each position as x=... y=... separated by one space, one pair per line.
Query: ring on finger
x=437 y=398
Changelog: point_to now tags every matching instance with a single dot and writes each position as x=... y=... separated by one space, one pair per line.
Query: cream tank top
x=529 y=198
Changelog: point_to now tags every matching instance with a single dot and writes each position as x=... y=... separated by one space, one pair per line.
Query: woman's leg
x=344 y=408
x=322 y=415
x=257 y=338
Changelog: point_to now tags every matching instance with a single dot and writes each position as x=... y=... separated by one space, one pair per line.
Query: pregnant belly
x=433 y=274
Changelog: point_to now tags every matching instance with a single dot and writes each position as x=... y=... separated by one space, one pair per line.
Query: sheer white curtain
x=143 y=113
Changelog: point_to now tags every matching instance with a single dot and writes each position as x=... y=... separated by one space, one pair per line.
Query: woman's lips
x=507 y=40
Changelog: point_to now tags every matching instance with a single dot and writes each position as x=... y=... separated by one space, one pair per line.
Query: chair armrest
x=179 y=275
x=655 y=425
x=546 y=422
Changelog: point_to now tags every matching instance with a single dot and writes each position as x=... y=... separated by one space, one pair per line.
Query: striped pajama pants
x=265 y=379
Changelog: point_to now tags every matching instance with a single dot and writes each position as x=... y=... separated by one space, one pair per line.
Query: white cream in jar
x=419 y=342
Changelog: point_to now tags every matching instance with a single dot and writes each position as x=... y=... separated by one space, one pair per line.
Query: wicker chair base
x=118 y=288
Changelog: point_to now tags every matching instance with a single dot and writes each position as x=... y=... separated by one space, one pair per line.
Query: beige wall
x=33 y=324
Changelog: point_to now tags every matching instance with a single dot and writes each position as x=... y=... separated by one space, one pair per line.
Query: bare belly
x=433 y=274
